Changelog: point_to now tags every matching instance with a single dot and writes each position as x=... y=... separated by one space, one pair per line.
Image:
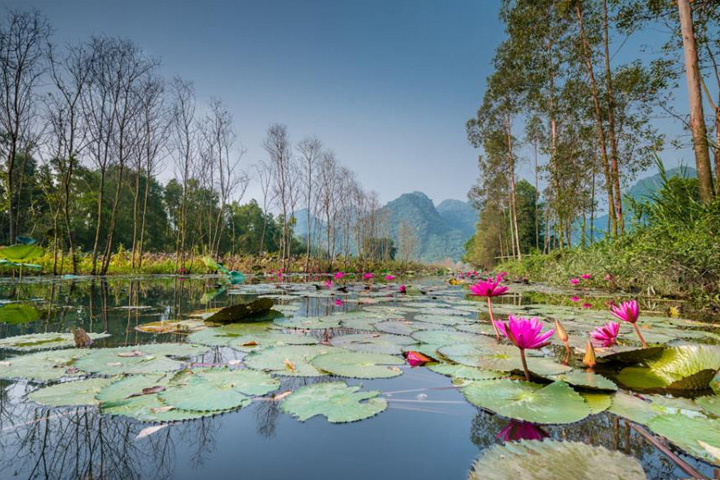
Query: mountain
x=440 y=232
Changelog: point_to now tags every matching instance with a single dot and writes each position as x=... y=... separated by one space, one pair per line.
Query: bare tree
x=309 y=149
x=265 y=177
x=24 y=37
x=408 y=241
x=279 y=149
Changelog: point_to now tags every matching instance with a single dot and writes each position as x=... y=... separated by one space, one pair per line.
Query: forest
x=105 y=158
x=582 y=105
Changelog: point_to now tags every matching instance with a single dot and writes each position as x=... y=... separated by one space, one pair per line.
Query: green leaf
x=310 y=323
x=501 y=358
x=598 y=402
x=137 y=360
x=687 y=367
x=336 y=401
x=209 y=390
x=373 y=342
x=685 y=432
x=551 y=459
x=554 y=403
x=71 y=394
x=15 y=313
x=709 y=403
x=43 y=341
x=21 y=253
x=291 y=360
x=223 y=336
x=358 y=365
x=464 y=372
x=585 y=379
x=632 y=408
x=42 y=366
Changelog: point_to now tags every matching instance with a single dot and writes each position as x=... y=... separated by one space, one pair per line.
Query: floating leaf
x=21 y=253
x=586 y=379
x=223 y=336
x=70 y=394
x=310 y=323
x=501 y=358
x=688 y=367
x=403 y=327
x=464 y=372
x=274 y=359
x=598 y=402
x=208 y=390
x=373 y=342
x=551 y=459
x=709 y=403
x=358 y=365
x=243 y=312
x=182 y=327
x=336 y=401
x=449 y=337
x=632 y=408
x=42 y=366
x=137 y=360
x=554 y=403
x=43 y=341
x=248 y=343
x=686 y=432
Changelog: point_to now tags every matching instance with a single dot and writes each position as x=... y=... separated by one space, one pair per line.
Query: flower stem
x=524 y=364
x=492 y=319
x=642 y=340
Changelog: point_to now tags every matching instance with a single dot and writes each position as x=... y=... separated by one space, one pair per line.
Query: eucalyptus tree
x=24 y=36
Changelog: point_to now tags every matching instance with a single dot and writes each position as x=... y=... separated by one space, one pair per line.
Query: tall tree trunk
x=598 y=120
x=513 y=202
x=614 y=169
x=101 y=193
x=697 y=120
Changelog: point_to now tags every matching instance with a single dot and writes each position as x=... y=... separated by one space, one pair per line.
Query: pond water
x=429 y=430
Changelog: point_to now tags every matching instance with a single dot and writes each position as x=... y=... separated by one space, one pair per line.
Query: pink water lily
x=518 y=430
x=629 y=312
x=489 y=288
x=575 y=299
x=575 y=281
x=389 y=277
x=368 y=276
x=339 y=275
x=328 y=284
x=402 y=289
x=417 y=359
x=586 y=276
x=587 y=305
x=606 y=335
x=338 y=302
x=525 y=333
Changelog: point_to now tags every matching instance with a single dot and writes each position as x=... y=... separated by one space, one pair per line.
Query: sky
x=387 y=85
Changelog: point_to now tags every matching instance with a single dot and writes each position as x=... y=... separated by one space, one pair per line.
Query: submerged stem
x=524 y=364
x=642 y=340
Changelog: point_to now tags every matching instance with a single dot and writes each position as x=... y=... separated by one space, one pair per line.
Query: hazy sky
x=386 y=84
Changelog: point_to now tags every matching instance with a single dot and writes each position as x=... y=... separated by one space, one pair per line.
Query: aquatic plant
x=488 y=289
x=629 y=312
x=389 y=277
x=606 y=335
x=525 y=334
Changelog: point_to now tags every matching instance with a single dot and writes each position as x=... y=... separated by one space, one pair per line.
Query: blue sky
x=388 y=85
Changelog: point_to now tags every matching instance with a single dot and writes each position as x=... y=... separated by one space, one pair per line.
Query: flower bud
x=560 y=330
x=589 y=358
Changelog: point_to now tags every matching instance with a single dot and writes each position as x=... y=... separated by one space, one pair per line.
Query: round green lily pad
x=632 y=408
x=43 y=366
x=464 y=372
x=359 y=364
x=70 y=394
x=310 y=323
x=685 y=432
x=137 y=360
x=373 y=342
x=586 y=379
x=554 y=403
x=336 y=401
x=291 y=360
x=501 y=358
x=43 y=341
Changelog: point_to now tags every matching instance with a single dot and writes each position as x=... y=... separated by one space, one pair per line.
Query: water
x=429 y=431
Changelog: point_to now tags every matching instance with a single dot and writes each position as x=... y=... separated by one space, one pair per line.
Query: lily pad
x=598 y=402
x=688 y=367
x=501 y=358
x=359 y=365
x=71 y=394
x=43 y=366
x=291 y=360
x=403 y=327
x=554 y=403
x=373 y=342
x=686 y=432
x=633 y=408
x=243 y=312
x=21 y=253
x=336 y=401
x=15 y=313
x=223 y=336
x=310 y=323
x=551 y=459
x=137 y=360
x=585 y=379
x=464 y=372
x=43 y=341
x=709 y=403
x=211 y=390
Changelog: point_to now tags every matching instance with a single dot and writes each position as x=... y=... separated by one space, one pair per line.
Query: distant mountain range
x=440 y=232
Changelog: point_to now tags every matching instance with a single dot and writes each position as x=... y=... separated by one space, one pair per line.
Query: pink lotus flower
x=502 y=275
x=575 y=299
x=488 y=288
x=328 y=284
x=606 y=335
x=587 y=305
x=575 y=281
x=417 y=359
x=368 y=276
x=402 y=289
x=389 y=277
x=586 y=276
x=339 y=275
x=525 y=333
x=608 y=278
x=518 y=430
x=629 y=312
x=338 y=303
